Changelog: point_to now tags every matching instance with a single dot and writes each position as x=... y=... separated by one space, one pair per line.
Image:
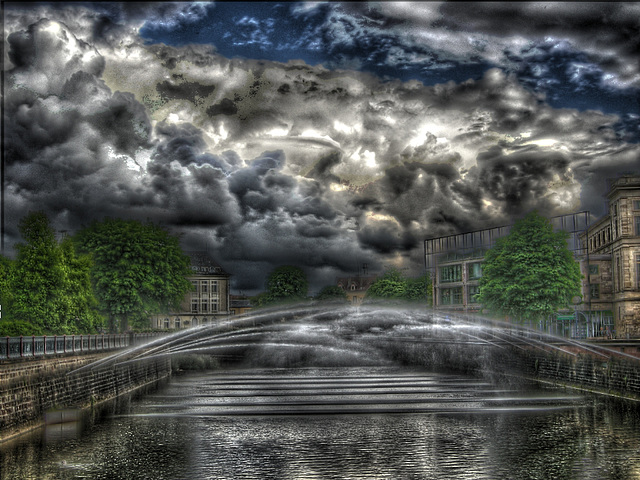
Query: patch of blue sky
x=260 y=30
x=281 y=32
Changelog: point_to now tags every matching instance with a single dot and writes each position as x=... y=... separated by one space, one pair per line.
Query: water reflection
x=366 y=422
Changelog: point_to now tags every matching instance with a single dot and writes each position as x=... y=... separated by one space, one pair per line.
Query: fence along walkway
x=40 y=346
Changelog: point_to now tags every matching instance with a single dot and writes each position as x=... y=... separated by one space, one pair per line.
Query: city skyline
x=321 y=135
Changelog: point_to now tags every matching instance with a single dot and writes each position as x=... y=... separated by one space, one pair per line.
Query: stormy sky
x=322 y=135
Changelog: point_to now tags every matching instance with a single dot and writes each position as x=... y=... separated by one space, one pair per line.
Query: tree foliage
x=139 y=269
x=285 y=284
x=332 y=293
x=393 y=285
x=48 y=285
x=530 y=273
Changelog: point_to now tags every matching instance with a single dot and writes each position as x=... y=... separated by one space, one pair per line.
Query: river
x=338 y=423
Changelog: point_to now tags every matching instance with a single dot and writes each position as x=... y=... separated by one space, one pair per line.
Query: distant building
x=356 y=287
x=240 y=304
x=206 y=303
x=608 y=252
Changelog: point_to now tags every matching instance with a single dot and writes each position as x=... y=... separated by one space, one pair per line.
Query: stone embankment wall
x=616 y=375
x=31 y=388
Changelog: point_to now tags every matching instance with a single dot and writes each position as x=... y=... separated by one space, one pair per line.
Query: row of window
x=177 y=323
x=599 y=239
x=204 y=306
x=204 y=286
x=453 y=295
x=604 y=236
x=453 y=273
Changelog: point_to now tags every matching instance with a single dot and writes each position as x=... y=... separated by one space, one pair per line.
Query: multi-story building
x=613 y=258
x=207 y=302
x=608 y=251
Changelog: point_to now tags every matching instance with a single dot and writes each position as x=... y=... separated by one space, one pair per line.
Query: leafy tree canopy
x=139 y=269
x=285 y=284
x=332 y=293
x=48 y=285
x=530 y=273
x=393 y=285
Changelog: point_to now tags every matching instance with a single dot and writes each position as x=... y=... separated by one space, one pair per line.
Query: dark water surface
x=339 y=423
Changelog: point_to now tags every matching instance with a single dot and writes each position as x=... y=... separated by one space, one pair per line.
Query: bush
x=16 y=328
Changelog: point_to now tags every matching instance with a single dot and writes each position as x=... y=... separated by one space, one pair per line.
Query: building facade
x=206 y=303
x=356 y=287
x=613 y=258
x=607 y=250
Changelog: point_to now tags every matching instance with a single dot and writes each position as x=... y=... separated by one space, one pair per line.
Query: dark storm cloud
x=177 y=88
x=321 y=171
x=521 y=180
x=386 y=238
x=271 y=163
x=225 y=107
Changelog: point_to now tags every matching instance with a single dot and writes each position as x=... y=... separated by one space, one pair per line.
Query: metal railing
x=40 y=346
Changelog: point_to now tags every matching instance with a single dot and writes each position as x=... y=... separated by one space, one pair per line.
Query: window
x=214 y=306
x=194 y=321
x=594 y=291
x=214 y=286
x=452 y=273
x=205 y=320
x=475 y=271
x=638 y=270
x=451 y=296
x=205 y=306
x=472 y=293
x=177 y=322
x=194 y=285
x=166 y=323
x=636 y=204
x=594 y=269
x=636 y=222
x=194 y=305
x=204 y=284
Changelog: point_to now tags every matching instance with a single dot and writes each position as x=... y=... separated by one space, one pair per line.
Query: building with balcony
x=206 y=303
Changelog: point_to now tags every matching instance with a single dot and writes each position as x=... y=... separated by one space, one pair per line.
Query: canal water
x=338 y=423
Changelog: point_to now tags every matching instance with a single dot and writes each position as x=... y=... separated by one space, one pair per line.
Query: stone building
x=356 y=287
x=206 y=303
x=613 y=258
x=608 y=251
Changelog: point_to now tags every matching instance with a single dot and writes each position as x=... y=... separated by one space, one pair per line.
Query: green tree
x=391 y=285
x=332 y=293
x=286 y=284
x=80 y=302
x=419 y=289
x=530 y=273
x=394 y=286
x=138 y=270
x=49 y=286
x=6 y=271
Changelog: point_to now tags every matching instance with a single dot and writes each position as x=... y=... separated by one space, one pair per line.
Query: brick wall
x=31 y=388
x=613 y=376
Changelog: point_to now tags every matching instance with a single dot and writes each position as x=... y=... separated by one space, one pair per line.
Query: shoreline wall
x=31 y=389
x=614 y=376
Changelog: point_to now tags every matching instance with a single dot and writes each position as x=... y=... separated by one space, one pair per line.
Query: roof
x=360 y=282
x=203 y=264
